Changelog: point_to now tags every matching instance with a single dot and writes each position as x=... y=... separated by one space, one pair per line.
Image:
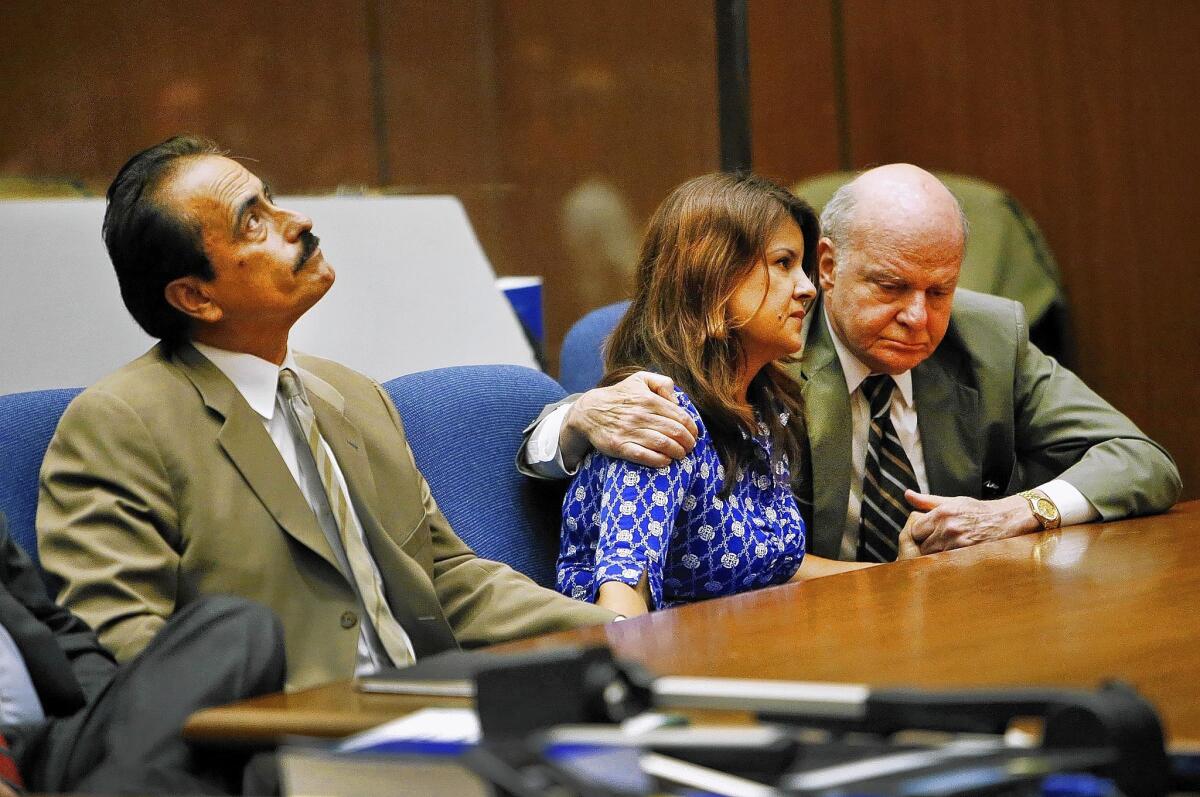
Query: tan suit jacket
x=162 y=484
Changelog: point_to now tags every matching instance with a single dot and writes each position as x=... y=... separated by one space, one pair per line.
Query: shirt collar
x=855 y=371
x=255 y=378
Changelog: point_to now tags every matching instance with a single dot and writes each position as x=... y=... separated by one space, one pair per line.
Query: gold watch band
x=1045 y=510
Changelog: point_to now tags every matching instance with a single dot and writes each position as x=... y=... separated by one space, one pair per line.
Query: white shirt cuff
x=1073 y=508
x=542 y=453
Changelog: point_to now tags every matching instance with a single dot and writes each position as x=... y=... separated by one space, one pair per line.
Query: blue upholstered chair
x=27 y=422
x=464 y=425
x=582 y=362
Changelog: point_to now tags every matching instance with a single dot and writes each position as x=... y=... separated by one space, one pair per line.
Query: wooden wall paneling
x=614 y=100
x=440 y=111
x=88 y=84
x=1087 y=113
x=439 y=92
x=793 y=103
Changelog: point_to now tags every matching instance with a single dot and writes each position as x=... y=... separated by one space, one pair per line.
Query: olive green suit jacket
x=996 y=416
x=161 y=484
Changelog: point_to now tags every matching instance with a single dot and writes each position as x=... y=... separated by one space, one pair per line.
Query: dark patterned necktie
x=887 y=475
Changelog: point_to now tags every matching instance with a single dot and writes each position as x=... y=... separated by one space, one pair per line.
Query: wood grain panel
x=439 y=104
x=793 y=105
x=1068 y=608
x=439 y=92
x=1063 y=609
x=513 y=105
x=1087 y=114
x=620 y=100
x=88 y=84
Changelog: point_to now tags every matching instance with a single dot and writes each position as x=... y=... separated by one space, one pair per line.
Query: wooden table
x=1063 y=608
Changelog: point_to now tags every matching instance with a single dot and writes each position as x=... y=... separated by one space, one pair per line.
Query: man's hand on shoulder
x=943 y=523
x=636 y=419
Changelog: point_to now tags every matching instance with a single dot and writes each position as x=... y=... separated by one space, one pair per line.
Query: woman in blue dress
x=722 y=287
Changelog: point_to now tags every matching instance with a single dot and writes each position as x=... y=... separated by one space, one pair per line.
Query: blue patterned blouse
x=620 y=519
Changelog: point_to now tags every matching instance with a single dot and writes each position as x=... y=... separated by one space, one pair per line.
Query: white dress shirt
x=904 y=418
x=542 y=453
x=19 y=703
x=1072 y=506
x=258 y=382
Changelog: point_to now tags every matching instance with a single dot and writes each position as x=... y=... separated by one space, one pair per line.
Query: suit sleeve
x=106 y=522
x=522 y=465
x=488 y=602
x=54 y=641
x=1065 y=428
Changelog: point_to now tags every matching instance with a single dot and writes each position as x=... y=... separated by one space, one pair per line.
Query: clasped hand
x=942 y=523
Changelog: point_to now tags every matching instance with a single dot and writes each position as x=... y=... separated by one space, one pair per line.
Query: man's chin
x=319 y=279
x=896 y=361
x=327 y=276
x=318 y=267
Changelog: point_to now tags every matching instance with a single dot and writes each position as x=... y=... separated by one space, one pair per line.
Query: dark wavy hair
x=149 y=244
x=703 y=240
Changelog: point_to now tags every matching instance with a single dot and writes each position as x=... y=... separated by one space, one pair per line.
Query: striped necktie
x=888 y=474
x=366 y=577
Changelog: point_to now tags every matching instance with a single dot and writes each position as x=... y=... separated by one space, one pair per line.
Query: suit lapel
x=254 y=454
x=827 y=416
x=950 y=426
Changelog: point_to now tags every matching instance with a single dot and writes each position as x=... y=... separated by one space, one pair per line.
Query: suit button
x=349 y=619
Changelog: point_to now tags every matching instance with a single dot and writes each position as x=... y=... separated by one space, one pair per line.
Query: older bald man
x=925 y=405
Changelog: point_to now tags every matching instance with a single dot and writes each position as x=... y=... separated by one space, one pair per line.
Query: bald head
x=889 y=261
x=897 y=208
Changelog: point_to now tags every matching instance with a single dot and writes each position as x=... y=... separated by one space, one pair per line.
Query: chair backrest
x=27 y=422
x=464 y=425
x=582 y=362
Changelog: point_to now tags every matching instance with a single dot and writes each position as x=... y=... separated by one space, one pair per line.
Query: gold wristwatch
x=1043 y=508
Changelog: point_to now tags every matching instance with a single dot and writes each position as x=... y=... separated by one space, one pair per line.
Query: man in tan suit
x=192 y=470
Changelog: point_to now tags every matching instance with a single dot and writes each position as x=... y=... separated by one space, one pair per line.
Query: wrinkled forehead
x=208 y=186
x=917 y=259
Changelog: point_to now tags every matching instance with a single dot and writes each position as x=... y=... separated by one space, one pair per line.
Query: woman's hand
x=624 y=599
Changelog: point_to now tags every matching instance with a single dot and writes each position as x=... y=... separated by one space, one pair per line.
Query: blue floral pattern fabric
x=621 y=519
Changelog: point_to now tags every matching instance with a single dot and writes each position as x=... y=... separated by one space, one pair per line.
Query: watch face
x=1044 y=508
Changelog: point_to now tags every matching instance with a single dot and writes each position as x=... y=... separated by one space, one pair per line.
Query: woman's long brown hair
x=703 y=240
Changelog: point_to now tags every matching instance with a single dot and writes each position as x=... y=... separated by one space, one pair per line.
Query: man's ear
x=826 y=263
x=190 y=296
